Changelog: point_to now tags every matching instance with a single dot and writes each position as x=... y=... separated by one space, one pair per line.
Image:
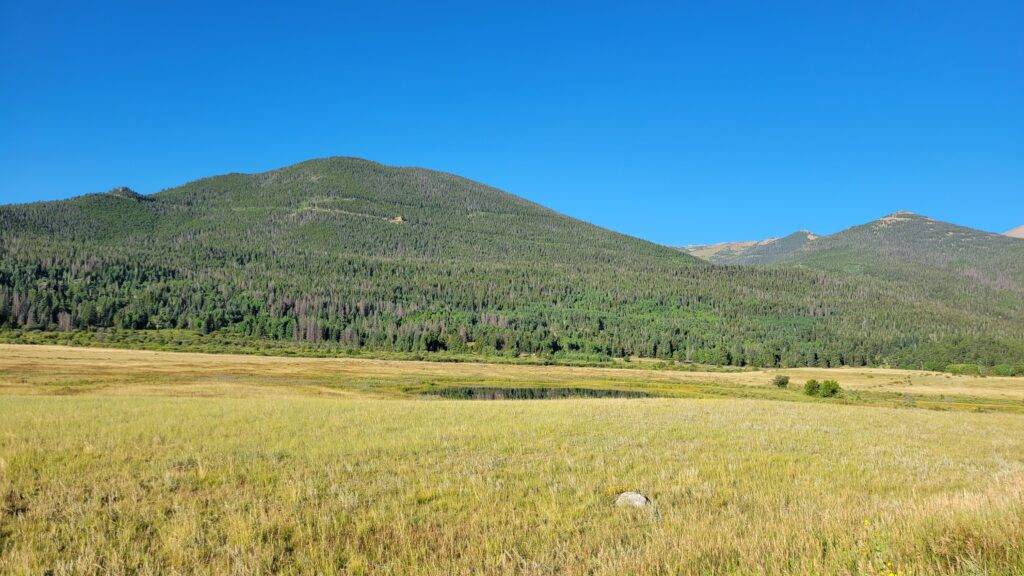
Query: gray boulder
x=633 y=500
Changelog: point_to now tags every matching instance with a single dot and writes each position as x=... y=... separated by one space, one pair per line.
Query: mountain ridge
x=750 y=252
x=899 y=232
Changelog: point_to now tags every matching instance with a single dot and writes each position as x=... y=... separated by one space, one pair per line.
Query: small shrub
x=964 y=369
x=1003 y=370
x=828 y=389
x=781 y=381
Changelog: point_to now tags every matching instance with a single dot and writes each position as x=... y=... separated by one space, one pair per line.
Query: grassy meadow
x=134 y=462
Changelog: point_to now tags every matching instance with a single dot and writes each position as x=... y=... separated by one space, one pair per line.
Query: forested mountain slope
x=908 y=246
x=903 y=246
x=349 y=253
x=890 y=246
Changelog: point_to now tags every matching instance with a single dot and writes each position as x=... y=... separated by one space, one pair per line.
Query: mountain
x=1017 y=232
x=757 y=252
x=128 y=194
x=902 y=245
x=347 y=253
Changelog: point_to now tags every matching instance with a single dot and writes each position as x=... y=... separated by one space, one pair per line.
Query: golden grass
x=128 y=367
x=131 y=462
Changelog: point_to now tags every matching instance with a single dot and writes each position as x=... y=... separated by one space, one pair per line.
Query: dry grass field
x=134 y=462
x=59 y=369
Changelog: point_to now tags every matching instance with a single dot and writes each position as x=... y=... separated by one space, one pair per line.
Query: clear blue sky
x=680 y=123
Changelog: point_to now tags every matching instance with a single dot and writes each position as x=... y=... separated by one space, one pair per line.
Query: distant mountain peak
x=755 y=251
x=127 y=193
x=901 y=216
x=1017 y=232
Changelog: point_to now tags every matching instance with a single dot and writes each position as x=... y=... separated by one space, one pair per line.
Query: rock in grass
x=633 y=500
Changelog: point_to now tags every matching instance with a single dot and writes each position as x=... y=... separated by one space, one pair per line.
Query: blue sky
x=681 y=123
